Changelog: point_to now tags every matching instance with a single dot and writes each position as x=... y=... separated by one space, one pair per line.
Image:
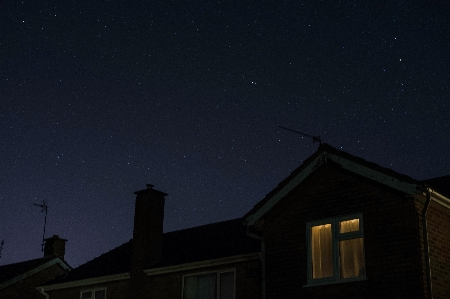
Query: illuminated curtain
x=351 y=251
x=349 y=226
x=351 y=257
x=321 y=251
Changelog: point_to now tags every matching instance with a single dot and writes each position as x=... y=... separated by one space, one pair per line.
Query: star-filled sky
x=98 y=98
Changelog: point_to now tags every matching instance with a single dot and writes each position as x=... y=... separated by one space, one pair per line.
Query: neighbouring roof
x=206 y=242
x=328 y=154
x=12 y=272
x=440 y=184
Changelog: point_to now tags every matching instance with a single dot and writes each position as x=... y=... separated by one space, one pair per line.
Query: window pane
x=227 y=285
x=86 y=295
x=349 y=226
x=321 y=251
x=100 y=294
x=200 y=286
x=351 y=258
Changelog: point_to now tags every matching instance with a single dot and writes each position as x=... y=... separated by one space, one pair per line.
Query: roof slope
x=206 y=242
x=11 y=273
x=8 y=272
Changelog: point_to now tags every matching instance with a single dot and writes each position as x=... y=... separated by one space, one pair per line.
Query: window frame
x=217 y=272
x=336 y=236
x=92 y=290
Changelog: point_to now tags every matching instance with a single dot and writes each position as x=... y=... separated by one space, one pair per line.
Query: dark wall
x=439 y=239
x=392 y=255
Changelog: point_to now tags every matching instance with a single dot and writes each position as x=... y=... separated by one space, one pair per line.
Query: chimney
x=147 y=237
x=148 y=228
x=55 y=246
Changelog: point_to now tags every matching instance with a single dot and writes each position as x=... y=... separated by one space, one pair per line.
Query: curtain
x=321 y=251
x=100 y=294
x=351 y=257
x=349 y=226
x=227 y=285
x=200 y=287
x=351 y=251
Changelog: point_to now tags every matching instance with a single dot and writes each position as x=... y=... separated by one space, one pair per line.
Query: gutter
x=425 y=243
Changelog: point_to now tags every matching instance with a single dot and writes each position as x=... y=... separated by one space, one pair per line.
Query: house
x=337 y=227
x=216 y=260
x=342 y=227
x=19 y=280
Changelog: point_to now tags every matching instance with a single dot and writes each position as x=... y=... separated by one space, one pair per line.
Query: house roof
x=440 y=184
x=328 y=154
x=11 y=273
x=206 y=242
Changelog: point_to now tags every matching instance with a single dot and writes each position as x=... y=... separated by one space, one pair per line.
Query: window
x=335 y=250
x=212 y=285
x=93 y=294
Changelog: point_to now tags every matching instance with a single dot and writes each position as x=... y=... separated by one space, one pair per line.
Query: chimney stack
x=147 y=236
x=55 y=246
x=148 y=228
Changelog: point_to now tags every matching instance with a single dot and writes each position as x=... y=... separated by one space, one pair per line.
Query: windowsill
x=328 y=282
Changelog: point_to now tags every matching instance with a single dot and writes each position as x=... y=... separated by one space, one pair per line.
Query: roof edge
x=50 y=263
x=439 y=198
x=327 y=155
x=149 y=272
x=84 y=282
x=317 y=162
x=205 y=263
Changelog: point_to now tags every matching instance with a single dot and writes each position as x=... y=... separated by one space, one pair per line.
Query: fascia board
x=405 y=187
x=204 y=264
x=85 y=282
x=34 y=271
x=156 y=271
x=439 y=198
x=286 y=189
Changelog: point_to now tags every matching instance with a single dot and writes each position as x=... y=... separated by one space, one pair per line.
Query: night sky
x=99 y=98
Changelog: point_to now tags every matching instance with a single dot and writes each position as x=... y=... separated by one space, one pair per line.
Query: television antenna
x=44 y=208
x=314 y=138
x=1 y=247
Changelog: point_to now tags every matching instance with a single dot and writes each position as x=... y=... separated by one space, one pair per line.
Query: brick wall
x=438 y=228
x=391 y=238
x=439 y=239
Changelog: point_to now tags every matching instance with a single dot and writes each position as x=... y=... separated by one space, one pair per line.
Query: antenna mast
x=1 y=247
x=314 y=138
x=44 y=208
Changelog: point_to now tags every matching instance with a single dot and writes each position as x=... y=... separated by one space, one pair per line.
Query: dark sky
x=98 y=98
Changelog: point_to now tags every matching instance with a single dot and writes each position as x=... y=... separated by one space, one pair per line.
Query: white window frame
x=335 y=238
x=93 y=290
x=217 y=272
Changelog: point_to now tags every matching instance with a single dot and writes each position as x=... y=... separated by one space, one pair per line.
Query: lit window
x=213 y=285
x=335 y=249
x=94 y=294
